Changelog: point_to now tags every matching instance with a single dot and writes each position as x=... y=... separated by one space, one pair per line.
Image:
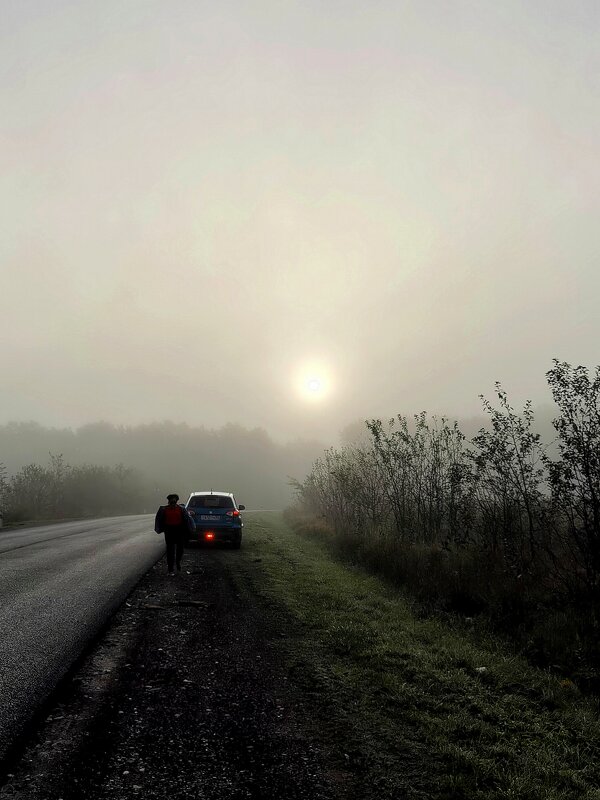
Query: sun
x=312 y=381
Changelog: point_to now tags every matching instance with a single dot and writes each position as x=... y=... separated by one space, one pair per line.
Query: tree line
x=107 y=469
x=62 y=491
x=501 y=522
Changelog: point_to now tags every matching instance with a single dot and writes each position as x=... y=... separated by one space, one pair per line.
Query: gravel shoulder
x=185 y=695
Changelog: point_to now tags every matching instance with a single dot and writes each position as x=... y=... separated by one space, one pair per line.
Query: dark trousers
x=175 y=541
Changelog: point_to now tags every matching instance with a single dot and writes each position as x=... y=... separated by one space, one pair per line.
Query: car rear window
x=210 y=501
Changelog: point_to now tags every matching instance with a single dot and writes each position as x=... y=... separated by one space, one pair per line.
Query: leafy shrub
x=492 y=524
x=60 y=491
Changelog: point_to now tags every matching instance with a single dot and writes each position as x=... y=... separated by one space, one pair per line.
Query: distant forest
x=102 y=468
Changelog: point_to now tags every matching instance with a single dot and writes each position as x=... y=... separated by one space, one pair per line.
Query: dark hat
x=175 y=496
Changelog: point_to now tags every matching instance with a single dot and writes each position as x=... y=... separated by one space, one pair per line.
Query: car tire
x=237 y=543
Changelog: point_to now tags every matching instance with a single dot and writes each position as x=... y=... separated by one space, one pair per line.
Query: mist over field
x=289 y=217
x=161 y=458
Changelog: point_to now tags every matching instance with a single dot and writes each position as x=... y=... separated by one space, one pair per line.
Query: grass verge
x=410 y=707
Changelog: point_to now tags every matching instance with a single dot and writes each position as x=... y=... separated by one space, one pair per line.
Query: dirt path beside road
x=184 y=697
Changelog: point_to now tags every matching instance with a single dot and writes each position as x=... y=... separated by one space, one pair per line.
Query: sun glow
x=313 y=382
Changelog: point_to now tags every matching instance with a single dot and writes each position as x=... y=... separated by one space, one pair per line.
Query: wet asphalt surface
x=184 y=696
x=58 y=586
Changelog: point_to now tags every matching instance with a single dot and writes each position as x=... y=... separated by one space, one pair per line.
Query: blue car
x=216 y=517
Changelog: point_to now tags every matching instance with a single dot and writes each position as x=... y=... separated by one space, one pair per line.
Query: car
x=216 y=517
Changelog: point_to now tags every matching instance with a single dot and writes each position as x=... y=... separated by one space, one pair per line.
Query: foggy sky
x=199 y=197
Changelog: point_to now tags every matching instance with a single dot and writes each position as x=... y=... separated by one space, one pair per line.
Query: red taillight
x=234 y=513
x=209 y=536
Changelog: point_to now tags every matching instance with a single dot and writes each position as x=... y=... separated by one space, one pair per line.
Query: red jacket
x=186 y=526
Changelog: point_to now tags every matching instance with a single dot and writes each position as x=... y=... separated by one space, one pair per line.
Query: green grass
x=410 y=707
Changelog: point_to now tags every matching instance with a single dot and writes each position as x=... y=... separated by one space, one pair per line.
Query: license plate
x=210 y=519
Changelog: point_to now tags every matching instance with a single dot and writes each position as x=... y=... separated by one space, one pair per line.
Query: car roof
x=210 y=491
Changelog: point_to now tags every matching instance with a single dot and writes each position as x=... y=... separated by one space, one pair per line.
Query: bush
x=488 y=525
x=59 y=491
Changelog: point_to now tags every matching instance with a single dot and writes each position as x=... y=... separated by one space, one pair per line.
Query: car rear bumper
x=217 y=534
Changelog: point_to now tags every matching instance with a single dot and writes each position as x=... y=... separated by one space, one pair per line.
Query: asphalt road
x=58 y=586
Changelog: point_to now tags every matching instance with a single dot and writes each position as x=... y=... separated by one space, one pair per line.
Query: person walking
x=176 y=524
